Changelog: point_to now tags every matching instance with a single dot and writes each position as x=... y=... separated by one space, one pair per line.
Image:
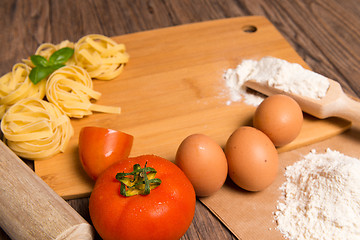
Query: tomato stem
x=138 y=182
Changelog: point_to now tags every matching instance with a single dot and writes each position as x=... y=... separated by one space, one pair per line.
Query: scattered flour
x=321 y=198
x=290 y=77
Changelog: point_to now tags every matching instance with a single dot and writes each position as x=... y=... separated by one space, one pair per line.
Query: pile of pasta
x=34 y=128
x=35 y=118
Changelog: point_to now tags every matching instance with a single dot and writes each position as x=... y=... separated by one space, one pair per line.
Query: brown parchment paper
x=249 y=215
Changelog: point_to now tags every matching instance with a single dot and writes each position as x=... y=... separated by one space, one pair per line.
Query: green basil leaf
x=61 y=56
x=38 y=73
x=57 y=66
x=38 y=60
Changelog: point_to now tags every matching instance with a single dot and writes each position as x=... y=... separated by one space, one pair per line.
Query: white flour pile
x=321 y=198
x=290 y=77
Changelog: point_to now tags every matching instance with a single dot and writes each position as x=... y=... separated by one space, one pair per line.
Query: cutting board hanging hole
x=249 y=28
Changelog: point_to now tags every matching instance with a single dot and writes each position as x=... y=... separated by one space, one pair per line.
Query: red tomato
x=165 y=213
x=101 y=147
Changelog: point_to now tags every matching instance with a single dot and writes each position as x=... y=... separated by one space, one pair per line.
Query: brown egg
x=252 y=159
x=203 y=161
x=280 y=118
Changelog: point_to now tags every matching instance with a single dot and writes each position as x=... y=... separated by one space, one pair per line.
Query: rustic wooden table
x=325 y=34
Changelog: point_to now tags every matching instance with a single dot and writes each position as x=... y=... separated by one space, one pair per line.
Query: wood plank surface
x=323 y=32
x=173 y=87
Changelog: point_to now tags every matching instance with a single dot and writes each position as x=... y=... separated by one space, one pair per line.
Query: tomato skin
x=166 y=213
x=101 y=147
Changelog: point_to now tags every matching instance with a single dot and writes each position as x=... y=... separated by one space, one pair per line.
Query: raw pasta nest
x=36 y=129
x=101 y=56
x=47 y=49
x=71 y=89
x=16 y=85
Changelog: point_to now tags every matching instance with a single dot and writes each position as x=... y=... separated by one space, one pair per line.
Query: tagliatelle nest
x=100 y=56
x=47 y=49
x=36 y=129
x=71 y=89
x=16 y=85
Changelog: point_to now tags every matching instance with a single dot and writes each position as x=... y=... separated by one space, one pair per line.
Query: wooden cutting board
x=172 y=87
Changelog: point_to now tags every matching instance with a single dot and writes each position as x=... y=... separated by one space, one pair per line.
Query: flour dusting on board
x=290 y=77
x=321 y=198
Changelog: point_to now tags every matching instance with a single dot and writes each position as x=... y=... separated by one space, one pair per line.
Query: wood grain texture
x=325 y=34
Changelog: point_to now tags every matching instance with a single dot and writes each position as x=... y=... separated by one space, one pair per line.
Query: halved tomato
x=101 y=147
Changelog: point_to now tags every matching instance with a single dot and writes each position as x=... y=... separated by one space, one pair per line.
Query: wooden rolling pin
x=30 y=209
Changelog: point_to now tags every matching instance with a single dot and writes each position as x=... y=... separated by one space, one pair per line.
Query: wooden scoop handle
x=342 y=105
x=30 y=209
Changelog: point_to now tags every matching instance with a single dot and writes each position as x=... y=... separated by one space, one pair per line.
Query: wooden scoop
x=335 y=103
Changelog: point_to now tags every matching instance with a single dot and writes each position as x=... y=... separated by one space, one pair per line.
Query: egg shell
x=280 y=118
x=203 y=161
x=252 y=159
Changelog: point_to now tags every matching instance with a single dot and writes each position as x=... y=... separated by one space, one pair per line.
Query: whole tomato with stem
x=101 y=147
x=145 y=197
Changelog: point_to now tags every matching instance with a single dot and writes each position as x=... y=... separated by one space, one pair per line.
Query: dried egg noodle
x=36 y=129
x=101 y=56
x=71 y=89
x=47 y=49
x=16 y=85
